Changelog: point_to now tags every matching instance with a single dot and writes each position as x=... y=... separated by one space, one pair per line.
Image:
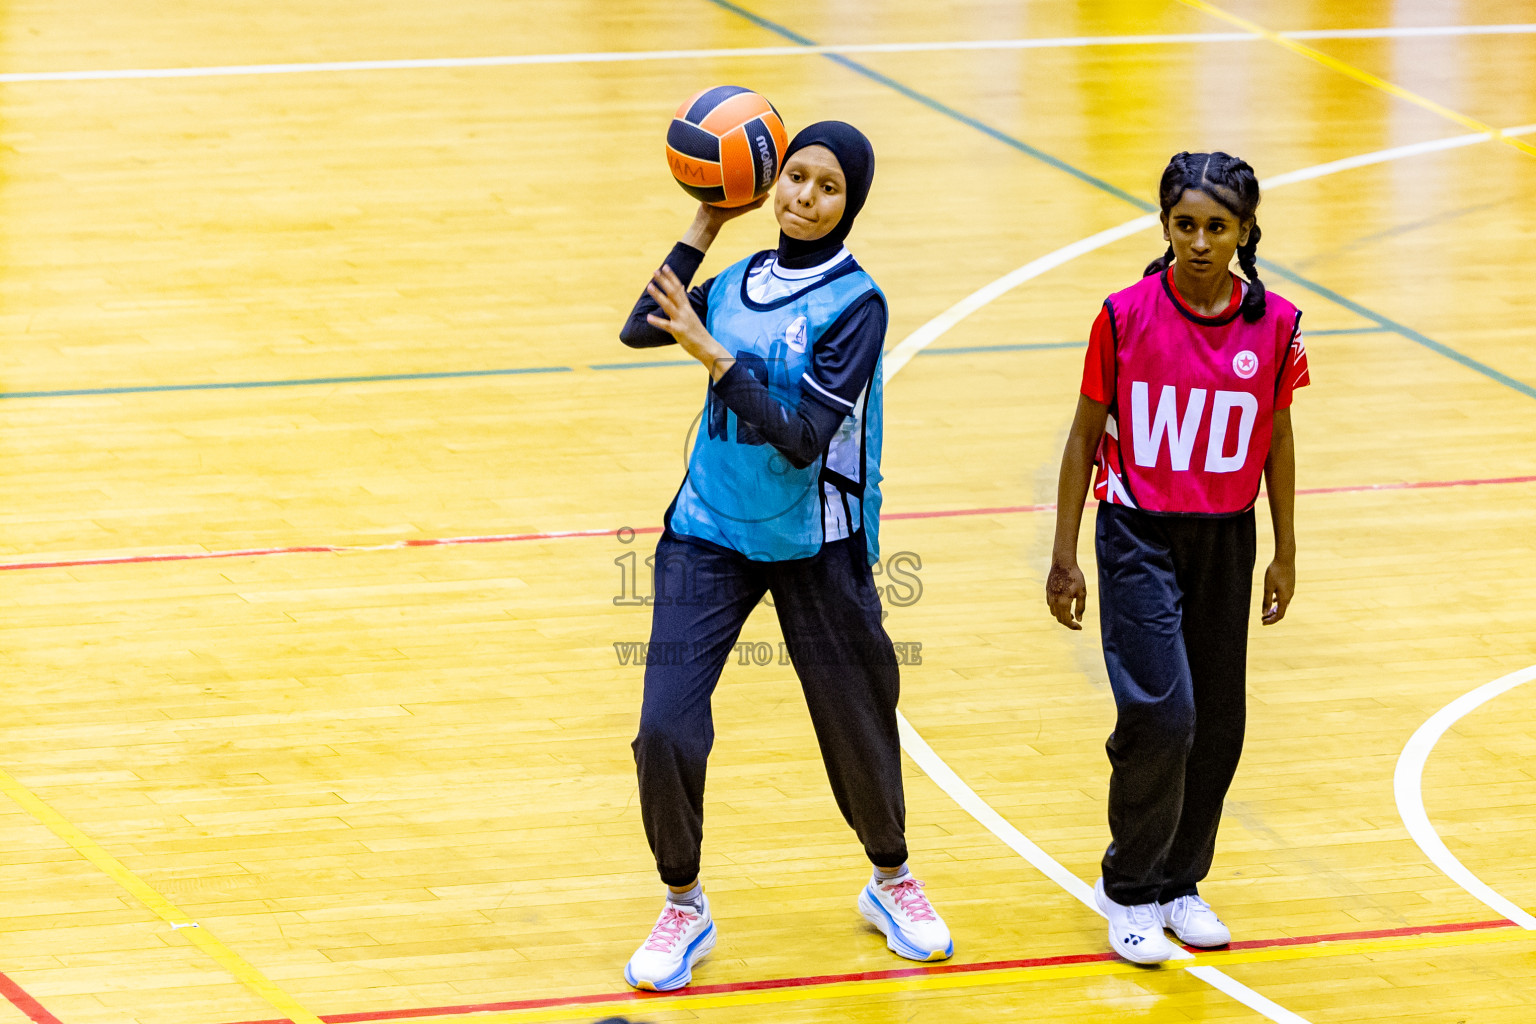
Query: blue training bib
x=740 y=492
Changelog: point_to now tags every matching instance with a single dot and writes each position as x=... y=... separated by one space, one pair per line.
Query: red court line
x=34 y=1010
x=1386 y=933
x=507 y=538
x=629 y=995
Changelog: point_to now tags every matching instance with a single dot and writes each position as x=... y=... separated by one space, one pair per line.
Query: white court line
x=610 y=57
x=918 y=749
x=945 y=777
x=1408 y=787
x=931 y=331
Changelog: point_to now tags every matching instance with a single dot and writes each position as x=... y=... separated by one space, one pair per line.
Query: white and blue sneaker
x=912 y=928
x=1135 y=932
x=680 y=938
x=1194 y=922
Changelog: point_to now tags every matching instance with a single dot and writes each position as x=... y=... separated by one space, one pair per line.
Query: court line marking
x=1358 y=74
x=1037 y=857
x=962 y=794
x=982 y=974
x=1216 y=978
x=135 y=389
x=651 y=364
x=19 y=998
x=628 y=56
x=931 y=331
x=247 y=974
x=1408 y=788
x=181 y=923
x=969 y=305
x=138 y=389
x=509 y=538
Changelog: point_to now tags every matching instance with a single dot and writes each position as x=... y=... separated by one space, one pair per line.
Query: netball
x=725 y=145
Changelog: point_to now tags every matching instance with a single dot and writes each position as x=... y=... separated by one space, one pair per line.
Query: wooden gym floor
x=282 y=329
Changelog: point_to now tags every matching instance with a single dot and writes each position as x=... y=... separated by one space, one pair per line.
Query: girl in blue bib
x=781 y=496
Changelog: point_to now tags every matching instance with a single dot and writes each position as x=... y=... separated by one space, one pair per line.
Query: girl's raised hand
x=681 y=321
x=718 y=215
x=1066 y=592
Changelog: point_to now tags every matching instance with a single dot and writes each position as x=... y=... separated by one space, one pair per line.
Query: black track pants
x=1173 y=604
x=829 y=610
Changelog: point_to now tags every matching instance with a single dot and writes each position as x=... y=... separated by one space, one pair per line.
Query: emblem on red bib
x=1194 y=402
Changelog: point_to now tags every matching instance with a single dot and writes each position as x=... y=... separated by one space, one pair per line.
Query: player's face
x=811 y=195
x=1204 y=234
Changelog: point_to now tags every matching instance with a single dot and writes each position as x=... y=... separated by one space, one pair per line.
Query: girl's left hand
x=681 y=321
x=1279 y=585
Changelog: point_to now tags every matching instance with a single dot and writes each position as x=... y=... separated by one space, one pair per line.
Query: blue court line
x=1347 y=330
x=1404 y=330
x=942 y=108
x=238 y=385
x=644 y=365
x=1386 y=323
x=301 y=382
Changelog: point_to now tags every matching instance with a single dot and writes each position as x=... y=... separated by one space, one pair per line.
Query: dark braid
x=1247 y=258
x=1232 y=183
x=1160 y=264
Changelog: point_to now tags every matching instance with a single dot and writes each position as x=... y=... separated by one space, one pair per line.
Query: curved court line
x=1109 y=188
x=961 y=793
x=931 y=331
x=911 y=741
x=623 y=56
x=944 y=776
x=1408 y=787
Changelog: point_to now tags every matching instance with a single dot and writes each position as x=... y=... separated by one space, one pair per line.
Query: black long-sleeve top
x=842 y=362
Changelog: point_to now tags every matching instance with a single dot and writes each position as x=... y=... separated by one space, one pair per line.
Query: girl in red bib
x=1184 y=411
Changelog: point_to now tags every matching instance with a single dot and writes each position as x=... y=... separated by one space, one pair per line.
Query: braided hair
x=1232 y=183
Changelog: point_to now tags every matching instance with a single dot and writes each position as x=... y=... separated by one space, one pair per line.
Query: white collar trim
x=788 y=274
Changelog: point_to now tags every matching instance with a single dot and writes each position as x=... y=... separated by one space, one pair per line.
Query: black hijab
x=857 y=158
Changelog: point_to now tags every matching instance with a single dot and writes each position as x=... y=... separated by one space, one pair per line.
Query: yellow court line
x=1360 y=75
x=988 y=979
x=167 y=911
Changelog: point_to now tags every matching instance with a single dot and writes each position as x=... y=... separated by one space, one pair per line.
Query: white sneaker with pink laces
x=680 y=938
x=912 y=928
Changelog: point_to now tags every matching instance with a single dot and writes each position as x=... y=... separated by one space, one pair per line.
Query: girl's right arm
x=684 y=259
x=1066 y=591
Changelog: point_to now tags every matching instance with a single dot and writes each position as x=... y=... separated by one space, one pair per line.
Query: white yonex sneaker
x=1194 y=922
x=912 y=928
x=1135 y=932
x=680 y=939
